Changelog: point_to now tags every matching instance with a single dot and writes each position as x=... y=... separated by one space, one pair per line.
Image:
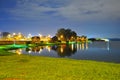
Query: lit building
x=45 y=38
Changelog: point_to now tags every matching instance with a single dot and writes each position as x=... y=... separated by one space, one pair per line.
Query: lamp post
x=29 y=36
x=40 y=35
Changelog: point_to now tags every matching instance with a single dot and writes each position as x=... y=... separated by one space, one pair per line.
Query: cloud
x=80 y=10
x=92 y=10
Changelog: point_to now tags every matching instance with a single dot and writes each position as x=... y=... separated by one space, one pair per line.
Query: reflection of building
x=82 y=46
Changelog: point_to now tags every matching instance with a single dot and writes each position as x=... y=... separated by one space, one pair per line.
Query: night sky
x=93 y=18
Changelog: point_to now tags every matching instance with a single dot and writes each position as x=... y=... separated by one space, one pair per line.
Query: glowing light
x=49 y=35
x=61 y=36
x=19 y=33
x=9 y=35
x=106 y=40
x=61 y=49
x=40 y=35
x=29 y=51
x=19 y=51
x=83 y=46
x=40 y=50
x=14 y=34
x=19 y=36
x=29 y=35
x=80 y=47
x=72 y=47
x=86 y=46
x=48 y=48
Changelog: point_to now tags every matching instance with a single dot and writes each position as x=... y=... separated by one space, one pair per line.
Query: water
x=97 y=51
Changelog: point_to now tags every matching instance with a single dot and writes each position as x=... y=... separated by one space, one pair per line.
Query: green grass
x=26 y=67
x=5 y=53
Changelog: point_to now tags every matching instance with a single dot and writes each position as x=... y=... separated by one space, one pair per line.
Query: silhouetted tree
x=66 y=34
x=35 y=39
x=55 y=38
x=4 y=34
x=73 y=35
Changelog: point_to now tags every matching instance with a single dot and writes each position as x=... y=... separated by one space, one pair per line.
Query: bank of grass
x=5 y=53
x=26 y=67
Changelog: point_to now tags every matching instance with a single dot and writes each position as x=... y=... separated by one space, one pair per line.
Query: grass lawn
x=26 y=67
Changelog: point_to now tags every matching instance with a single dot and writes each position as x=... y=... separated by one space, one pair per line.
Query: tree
x=35 y=39
x=60 y=34
x=4 y=34
x=55 y=38
x=66 y=34
x=73 y=35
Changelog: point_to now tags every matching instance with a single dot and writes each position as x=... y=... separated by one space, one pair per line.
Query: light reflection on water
x=98 y=51
x=18 y=51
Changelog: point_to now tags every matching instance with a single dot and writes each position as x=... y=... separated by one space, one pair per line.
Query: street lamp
x=49 y=35
x=14 y=34
x=61 y=37
x=29 y=36
x=40 y=35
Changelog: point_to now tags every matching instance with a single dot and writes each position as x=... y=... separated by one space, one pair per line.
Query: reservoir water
x=97 y=51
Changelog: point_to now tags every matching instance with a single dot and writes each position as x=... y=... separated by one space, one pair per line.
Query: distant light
x=61 y=49
x=9 y=35
x=29 y=51
x=61 y=36
x=40 y=35
x=29 y=35
x=106 y=40
x=19 y=33
x=14 y=33
x=19 y=51
x=49 y=35
x=40 y=51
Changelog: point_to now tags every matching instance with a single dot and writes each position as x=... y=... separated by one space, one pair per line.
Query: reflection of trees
x=61 y=50
x=35 y=49
x=28 y=49
x=65 y=50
